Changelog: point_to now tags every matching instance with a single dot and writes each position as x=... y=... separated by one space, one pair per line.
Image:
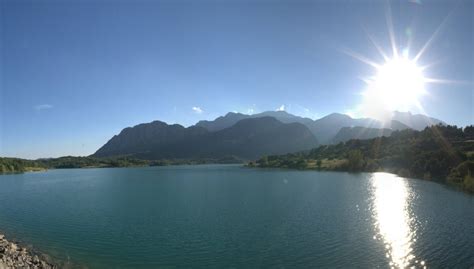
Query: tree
x=319 y=163
x=301 y=163
x=355 y=160
x=263 y=162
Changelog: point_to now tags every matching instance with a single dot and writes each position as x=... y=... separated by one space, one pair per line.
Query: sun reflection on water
x=393 y=221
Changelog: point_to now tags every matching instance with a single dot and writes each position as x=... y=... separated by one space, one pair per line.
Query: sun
x=397 y=84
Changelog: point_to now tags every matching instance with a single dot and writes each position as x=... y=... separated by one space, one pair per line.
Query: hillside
x=439 y=153
x=143 y=138
x=232 y=118
x=415 y=121
x=326 y=128
x=348 y=133
x=247 y=139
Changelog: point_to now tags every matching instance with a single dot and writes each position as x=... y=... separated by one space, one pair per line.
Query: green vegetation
x=463 y=175
x=15 y=165
x=439 y=153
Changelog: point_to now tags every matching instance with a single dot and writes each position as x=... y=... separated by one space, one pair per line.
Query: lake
x=214 y=216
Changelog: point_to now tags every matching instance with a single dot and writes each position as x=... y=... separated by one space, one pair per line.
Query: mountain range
x=324 y=129
x=251 y=136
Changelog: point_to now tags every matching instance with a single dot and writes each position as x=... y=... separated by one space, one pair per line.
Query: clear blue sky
x=74 y=73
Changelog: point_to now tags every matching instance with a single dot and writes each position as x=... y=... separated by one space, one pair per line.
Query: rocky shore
x=14 y=256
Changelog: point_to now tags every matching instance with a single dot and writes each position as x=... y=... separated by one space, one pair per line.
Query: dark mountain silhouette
x=250 y=136
x=144 y=137
x=247 y=139
x=222 y=122
x=348 y=133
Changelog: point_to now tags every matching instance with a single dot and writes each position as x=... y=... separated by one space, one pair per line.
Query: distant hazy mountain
x=415 y=121
x=396 y=125
x=323 y=129
x=348 y=133
x=247 y=139
x=232 y=118
x=326 y=128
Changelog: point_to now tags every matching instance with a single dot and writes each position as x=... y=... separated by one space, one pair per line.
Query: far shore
x=16 y=165
x=325 y=166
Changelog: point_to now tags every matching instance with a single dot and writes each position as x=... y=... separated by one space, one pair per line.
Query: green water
x=217 y=216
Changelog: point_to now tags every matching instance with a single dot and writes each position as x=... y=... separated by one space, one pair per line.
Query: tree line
x=439 y=153
x=16 y=165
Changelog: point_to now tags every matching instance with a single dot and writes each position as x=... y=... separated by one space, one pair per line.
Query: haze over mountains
x=324 y=129
x=251 y=136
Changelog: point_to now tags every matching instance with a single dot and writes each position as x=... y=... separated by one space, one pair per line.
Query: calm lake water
x=218 y=216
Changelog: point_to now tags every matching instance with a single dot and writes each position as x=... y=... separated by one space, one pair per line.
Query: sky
x=75 y=73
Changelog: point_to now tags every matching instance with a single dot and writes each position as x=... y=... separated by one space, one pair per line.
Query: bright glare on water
x=393 y=219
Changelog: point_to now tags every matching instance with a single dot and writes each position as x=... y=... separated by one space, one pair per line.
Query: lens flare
x=399 y=82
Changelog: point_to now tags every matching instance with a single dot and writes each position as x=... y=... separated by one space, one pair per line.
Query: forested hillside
x=438 y=153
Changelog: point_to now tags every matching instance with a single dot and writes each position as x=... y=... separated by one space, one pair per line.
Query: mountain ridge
x=248 y=136
x=325 y=128
x=247 y=139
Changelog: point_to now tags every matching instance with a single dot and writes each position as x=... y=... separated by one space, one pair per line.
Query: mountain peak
x=415 y=121
x=249 y=138
x=396 y=112
x=231 y=114
x=158 y=139
x=338 y=115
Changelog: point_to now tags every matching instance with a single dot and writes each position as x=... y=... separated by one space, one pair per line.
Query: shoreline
x=399 y=173
x=12 y=255
x=18 y=166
